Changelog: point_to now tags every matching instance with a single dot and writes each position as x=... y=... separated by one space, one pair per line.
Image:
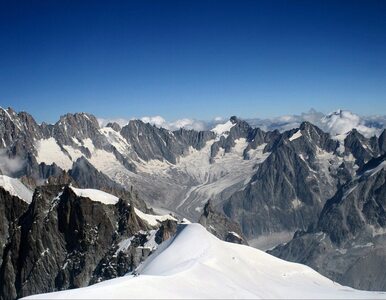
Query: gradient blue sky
x=197 y=59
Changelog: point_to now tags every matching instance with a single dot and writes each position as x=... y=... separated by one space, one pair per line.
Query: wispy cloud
x=121 y=121
x=337 y=122
x=287 y=122
x=10 y=166
x=159 y=121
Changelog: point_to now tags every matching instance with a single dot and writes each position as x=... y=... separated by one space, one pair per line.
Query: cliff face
x=63 y=241
x=347 y=243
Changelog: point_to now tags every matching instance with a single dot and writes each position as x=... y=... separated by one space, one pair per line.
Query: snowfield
x=16 y=188
x=153 y=220
x=223 y=129
x=96 y=195
x=195 y=264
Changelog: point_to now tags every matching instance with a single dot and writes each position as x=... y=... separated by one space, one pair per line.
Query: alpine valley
x=82 y=203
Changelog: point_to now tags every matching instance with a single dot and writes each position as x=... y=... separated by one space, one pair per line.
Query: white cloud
x=156 y=120
x=121 y=121
x=337 y=122
x=342 y=121
x=218 y=119
x=9 y=166
x=159 y=121
x=189 y=124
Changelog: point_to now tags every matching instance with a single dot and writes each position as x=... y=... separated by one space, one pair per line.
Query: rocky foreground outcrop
x=63 y=241
x=221 y=226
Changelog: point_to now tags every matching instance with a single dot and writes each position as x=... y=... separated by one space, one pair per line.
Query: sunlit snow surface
x=153 y=220
x=296 y=135
x=222 y=129
x=16 y=188
x=49 y=152
x=195 y=264
x=96 y=195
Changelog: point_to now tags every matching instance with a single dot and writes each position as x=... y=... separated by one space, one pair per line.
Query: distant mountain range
x=321 y=189
x=335 y=122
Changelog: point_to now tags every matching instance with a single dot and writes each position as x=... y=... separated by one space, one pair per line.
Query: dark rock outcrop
x=150 y=142
x=363 y=149
x=221 y=226
x=114 y=126
x=65 y=241
x=11 y=208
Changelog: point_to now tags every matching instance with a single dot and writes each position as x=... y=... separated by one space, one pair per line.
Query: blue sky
x=196 y=59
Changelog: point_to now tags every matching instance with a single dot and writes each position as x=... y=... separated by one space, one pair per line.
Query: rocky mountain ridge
x=244 y=171
x=347 y=242
x=69 y=237
x=269 y=182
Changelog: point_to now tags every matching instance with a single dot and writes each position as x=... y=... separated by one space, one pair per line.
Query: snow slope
x=96 y=195
x=296 y=135
x=195 y=264
x=16 y=188
x=223 y=129
x=49 y=152
x=153 y=220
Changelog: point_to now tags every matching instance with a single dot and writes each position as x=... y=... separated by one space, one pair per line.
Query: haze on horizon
x=192 y=59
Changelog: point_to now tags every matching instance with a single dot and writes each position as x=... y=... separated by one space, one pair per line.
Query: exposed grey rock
x=280 y=197
x=290 y=187
x=79 y=126
x=150 y=142
x=17 y=135
x=46 y=171
x=87 y=176
x=382 y=142
x=167 y=230
x=114 y=126
x=221 y=226
x=241 y=129
x=63 y=240
x=363 y=149
x=15 y=126
x=348 y=242
x=355 y=206
x=195 y=139
x=11 y=208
